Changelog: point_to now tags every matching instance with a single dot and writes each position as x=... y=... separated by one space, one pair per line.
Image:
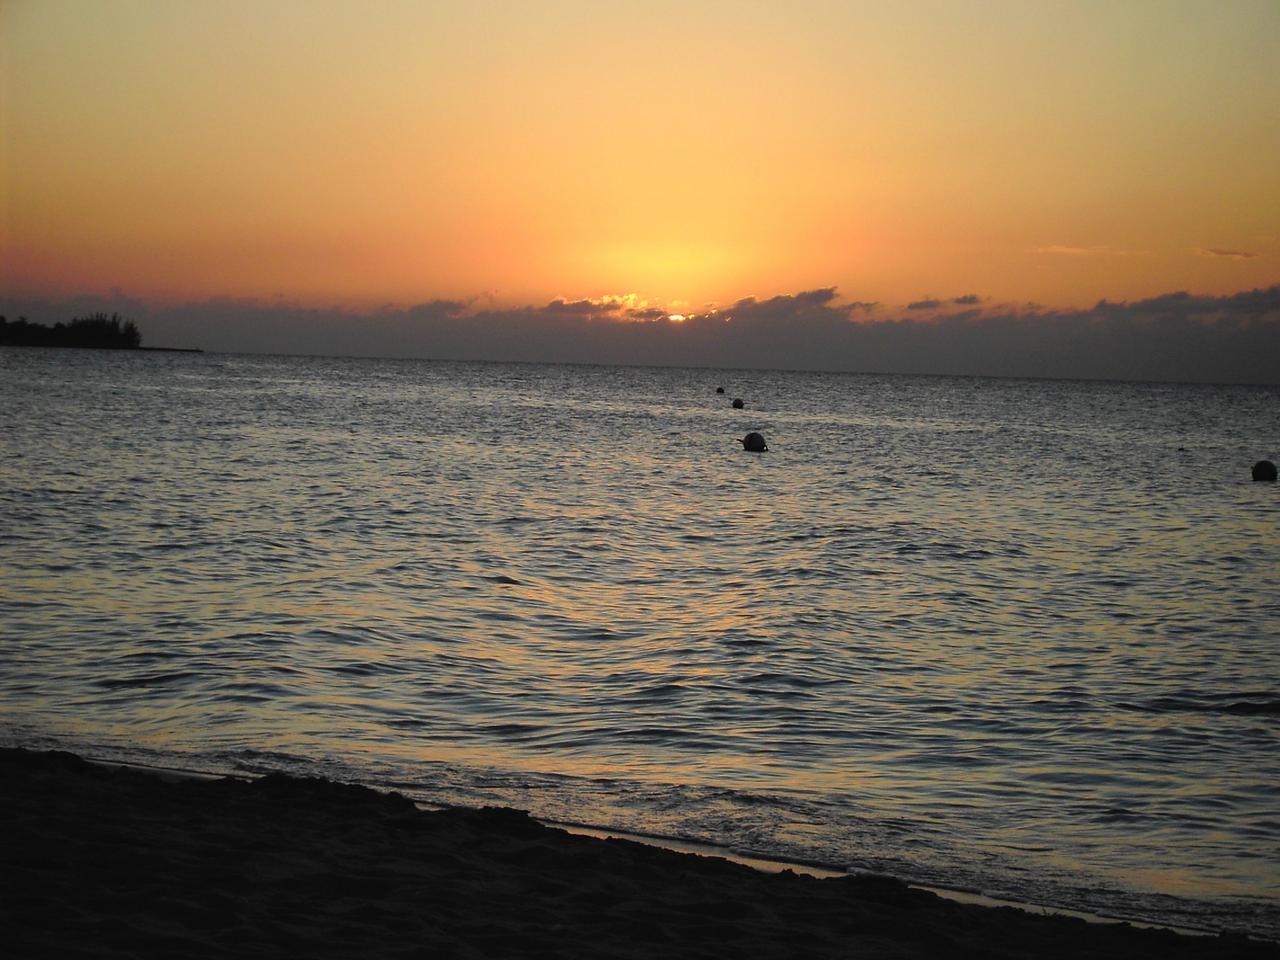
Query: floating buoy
x=737 y=403
x=719 y=389
x=754 y=442
x=1264 y=470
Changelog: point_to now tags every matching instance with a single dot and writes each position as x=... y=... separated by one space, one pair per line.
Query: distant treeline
x=96 y=330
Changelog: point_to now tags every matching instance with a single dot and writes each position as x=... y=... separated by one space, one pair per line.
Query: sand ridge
x=114 y=862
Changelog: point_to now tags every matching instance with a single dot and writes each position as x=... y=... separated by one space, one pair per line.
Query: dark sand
x=108 y=862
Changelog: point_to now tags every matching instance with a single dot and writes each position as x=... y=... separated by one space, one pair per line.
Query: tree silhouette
x=98 y=330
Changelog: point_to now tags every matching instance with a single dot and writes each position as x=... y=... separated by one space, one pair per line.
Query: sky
x=363 y=160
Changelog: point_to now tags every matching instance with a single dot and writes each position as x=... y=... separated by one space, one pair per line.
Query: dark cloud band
x=1175 y=336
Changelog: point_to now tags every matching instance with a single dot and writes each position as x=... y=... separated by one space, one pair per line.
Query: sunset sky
x=351 y=155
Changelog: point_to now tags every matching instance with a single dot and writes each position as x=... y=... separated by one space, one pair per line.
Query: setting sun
x=198 y=150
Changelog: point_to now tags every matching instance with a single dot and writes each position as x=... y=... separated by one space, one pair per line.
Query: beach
x=102 y=861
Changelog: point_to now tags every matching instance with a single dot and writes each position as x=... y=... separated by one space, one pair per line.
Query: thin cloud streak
x=1175 y=336
x=1229 y=254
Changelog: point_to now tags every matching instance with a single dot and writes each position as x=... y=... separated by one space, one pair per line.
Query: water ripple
x=959 y=630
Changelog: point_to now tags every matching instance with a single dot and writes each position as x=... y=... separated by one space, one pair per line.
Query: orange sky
x=690 y=153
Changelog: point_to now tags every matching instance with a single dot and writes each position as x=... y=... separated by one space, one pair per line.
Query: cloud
x=926 y=304
x=580 y=307
x=967 y=300
x=1174 y=336
x=648 y=313
x=1068 y=250
x=1229 y=254
x=1261 y=304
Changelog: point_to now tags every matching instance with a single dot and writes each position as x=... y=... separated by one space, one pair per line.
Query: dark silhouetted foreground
x=109 y=862
x=96 y=330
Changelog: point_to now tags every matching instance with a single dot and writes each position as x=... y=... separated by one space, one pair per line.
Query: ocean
x=1019 y=637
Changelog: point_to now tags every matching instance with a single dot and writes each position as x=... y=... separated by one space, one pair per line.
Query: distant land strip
x=96 y=331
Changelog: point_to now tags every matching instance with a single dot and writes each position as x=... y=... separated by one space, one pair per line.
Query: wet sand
x=112 y=862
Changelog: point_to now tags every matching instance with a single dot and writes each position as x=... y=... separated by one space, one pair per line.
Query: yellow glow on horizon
x=337 y=155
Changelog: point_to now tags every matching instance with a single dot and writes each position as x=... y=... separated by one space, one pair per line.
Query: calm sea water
x=1008 y=635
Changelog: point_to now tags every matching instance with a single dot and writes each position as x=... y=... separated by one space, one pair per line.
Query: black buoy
x=754 y=442
x=737 y=403
x=719 y=389
x=1264 y=470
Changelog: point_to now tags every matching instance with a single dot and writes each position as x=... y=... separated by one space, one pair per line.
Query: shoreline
x=701 y=848
x=767 y=865
x=754 y=861
x=161 y=862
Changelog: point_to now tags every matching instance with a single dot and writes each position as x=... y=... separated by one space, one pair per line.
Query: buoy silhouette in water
x=1264 y=470
x=737 y=403
x=754 y=442
x=719 y=389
